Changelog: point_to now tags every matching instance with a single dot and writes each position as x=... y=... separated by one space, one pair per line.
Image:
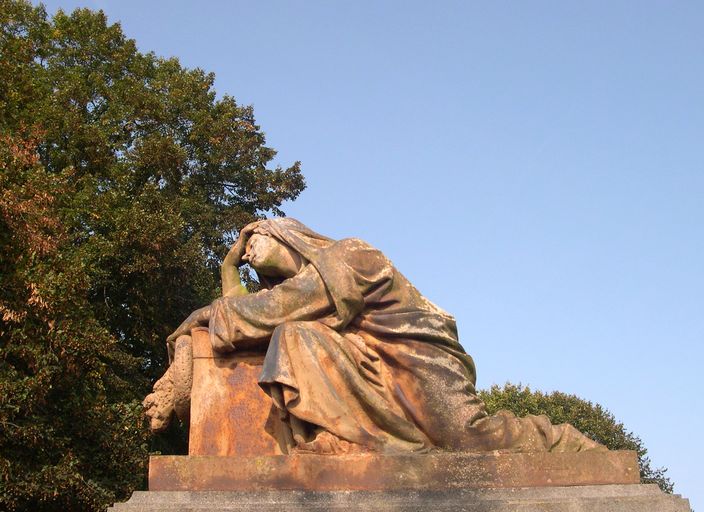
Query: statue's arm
x=238 y=322
x=199 y=318
x=229 y=270
x=230 y=276
x=231 y=287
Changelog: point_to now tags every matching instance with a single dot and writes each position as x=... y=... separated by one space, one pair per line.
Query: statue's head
x=279 y=248
x=270 y=257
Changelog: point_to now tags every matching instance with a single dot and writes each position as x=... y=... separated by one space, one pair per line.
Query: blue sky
x=535 y=168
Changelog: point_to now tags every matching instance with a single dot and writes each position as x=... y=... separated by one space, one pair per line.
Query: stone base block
x=592 y=498
x=379 y=472
x=230 y=414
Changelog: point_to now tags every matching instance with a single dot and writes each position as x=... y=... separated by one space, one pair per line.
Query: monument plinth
x=591 y=498
x=339 y=386
x=230 y=414
x=379 y=472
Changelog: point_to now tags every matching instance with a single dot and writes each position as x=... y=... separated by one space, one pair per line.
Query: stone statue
x=357 y=360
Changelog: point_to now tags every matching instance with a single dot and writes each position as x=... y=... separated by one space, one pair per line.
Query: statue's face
x=271 y=258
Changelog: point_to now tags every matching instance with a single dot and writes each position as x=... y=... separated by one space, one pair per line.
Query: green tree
x=123 y=181
x=592 y=419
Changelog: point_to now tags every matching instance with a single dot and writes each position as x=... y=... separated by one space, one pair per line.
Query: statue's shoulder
x=352 y=246
x=357 y=253
x=354 y=243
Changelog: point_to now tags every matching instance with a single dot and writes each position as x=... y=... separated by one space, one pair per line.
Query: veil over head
x=349 y=266
x=295 y=234
x=319 y=251
x=292 y=233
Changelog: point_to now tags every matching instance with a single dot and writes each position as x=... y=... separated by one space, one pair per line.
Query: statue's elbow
x=220 y=345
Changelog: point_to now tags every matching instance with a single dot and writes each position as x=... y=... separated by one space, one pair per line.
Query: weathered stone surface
x=600 y=498
x=230 y=414
x=357 y=360
x=392 y=472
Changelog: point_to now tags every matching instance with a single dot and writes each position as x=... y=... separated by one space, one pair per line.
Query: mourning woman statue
x=357 y=360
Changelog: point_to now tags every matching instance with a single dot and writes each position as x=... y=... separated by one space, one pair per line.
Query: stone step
x=591 y=498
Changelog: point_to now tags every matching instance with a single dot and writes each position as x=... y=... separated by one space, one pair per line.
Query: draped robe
x=355 y=350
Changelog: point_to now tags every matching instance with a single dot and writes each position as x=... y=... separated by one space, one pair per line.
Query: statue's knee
x=295 y=336
x=292 y=328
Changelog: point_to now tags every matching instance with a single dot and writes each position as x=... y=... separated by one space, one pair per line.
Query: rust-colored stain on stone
x=230 y=414
x=433 y=471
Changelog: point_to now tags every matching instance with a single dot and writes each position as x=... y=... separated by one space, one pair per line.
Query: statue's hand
x=234 y=256
x=230 y=276
x=199 y=318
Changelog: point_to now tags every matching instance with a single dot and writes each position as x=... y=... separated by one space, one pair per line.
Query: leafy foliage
x=123 y=180
x=591 y=419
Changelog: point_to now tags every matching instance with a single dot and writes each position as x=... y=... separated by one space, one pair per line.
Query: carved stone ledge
x=392 y=472
x=593 y=498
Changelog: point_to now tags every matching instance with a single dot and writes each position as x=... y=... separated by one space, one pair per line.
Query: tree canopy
x=123 y=180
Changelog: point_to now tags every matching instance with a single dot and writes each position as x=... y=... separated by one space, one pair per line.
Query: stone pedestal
x=592 y=498
x=472 y=482
x=367 y=472
x=235 y=463
x=230 y=414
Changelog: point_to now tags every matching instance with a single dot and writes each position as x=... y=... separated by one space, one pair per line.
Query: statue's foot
x=326 y=443
x=569 y=439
